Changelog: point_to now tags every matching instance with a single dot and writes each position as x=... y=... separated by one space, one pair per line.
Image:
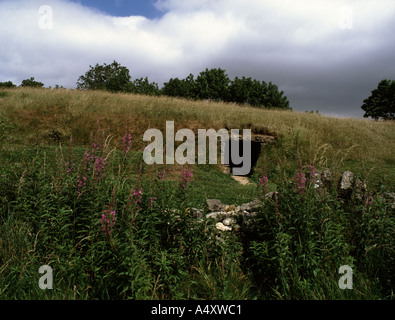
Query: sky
x=325 y=55
x=124 y=8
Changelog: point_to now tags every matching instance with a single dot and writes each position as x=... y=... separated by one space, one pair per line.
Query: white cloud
x=303 y=46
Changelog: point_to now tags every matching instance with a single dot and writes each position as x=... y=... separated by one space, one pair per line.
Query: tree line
x=213 y=84
x=25 y=83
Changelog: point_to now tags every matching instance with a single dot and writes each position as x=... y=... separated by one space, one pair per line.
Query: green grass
x=157 y=249
x=44 y=117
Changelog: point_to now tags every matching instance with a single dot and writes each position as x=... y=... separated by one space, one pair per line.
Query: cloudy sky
x=325 y=55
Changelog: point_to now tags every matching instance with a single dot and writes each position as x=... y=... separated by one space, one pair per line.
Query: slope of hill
x=76 y=196
x=40 y=116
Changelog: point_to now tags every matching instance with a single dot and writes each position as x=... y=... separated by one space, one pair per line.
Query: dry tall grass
x=33 y=113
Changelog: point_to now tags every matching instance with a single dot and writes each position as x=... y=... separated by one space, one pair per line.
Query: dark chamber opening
x=255 y=153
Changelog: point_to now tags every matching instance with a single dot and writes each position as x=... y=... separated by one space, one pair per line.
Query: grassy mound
x=75 y=197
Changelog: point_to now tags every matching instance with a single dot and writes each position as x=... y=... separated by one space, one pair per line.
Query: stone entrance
x=257 y=143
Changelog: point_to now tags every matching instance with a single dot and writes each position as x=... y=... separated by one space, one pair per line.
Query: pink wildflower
x=99 y=166
x=107 y=221
x=95 y=164
x=127 y=141
x=82 y=185
x=186 y=180
x=136 y=197
x=68 y=169
x=300 y=182
x=312 y=171
x=161 y=175
x=368 y=199
x=263 y=184
x=152 y=201
x=96 y=146
x=313 y=176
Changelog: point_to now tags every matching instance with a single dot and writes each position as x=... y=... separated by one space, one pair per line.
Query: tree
x=256 y=93
x=112 y=77
x=212 y=84
x=32 y=83
x=7 y=84
x=247 y=91
x=174 y=88
x=381 y=103
x=180 y=88
x=275 y=98
x=143 y=86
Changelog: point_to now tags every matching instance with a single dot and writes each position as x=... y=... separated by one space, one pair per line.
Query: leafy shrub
x=302 y=237
x=31 y=83
x=7 y=84
x=107 y=237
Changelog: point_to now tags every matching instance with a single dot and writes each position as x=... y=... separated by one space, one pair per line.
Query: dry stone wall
x=226 y=216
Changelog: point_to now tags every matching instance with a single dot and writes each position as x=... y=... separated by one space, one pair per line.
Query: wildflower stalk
x=263 y=185
x=300 y=182
x=186 y=180
x=126 y=143
x=135 y=199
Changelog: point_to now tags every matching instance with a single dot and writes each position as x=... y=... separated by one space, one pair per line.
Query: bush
x=143 y=86
x=184 y=88
x=214 y=84
x=107 y=236
x=302 y=237
x=7 y=84
x=32 y=83
x=112 y=77
x=256 y=93
x=381 y=102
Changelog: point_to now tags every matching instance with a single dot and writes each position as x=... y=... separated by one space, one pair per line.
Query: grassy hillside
x=112 y=227
x=40 y=116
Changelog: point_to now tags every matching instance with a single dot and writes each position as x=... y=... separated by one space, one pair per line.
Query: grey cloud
x=300 y=47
